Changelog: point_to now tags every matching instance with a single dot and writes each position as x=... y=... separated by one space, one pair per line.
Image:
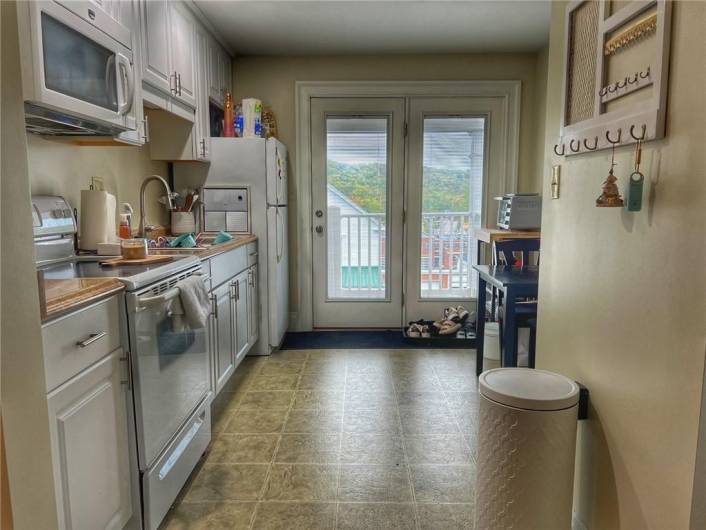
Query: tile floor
x=347 y=439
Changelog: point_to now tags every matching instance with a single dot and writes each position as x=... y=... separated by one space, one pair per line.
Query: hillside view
x=445 y=190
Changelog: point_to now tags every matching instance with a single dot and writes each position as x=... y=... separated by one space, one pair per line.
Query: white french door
x=455 y=162
x=398 y=186
x=357 y=153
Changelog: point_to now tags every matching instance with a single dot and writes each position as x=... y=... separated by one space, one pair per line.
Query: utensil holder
x=183 y=223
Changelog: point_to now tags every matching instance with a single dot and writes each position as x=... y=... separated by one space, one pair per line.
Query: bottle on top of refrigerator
x=228 y=117
x=252 y=118
x=239 y=120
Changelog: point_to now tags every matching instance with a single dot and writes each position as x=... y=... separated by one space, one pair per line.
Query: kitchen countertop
x=64 y=296
x=59 y=297
x=208 y=251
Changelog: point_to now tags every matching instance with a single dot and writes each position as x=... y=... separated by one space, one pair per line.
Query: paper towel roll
x=97 y=221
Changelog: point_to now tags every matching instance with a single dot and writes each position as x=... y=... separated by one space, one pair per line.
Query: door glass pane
x=356 y=198
x=452 y=192
x=76 y=66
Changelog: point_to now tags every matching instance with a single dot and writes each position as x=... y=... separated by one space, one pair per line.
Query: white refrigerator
x=261 y=166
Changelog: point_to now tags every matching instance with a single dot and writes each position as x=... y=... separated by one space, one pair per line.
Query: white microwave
x=78 y=73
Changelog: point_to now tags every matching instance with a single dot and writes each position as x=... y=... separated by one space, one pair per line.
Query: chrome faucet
x=170 y=203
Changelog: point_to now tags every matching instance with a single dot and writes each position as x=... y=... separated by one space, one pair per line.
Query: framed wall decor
x=616 y=67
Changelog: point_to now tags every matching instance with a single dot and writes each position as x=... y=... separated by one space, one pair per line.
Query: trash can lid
x=526 y=388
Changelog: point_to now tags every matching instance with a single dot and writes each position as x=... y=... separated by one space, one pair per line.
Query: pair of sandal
x=454 y=319
x=418 y=329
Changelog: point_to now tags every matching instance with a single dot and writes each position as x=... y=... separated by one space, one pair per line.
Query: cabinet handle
x=146 y=128
x=179 y=83
x=215 y=306
x=203 y=147
x=173 y=89
x=126 y=360
x=93 y=337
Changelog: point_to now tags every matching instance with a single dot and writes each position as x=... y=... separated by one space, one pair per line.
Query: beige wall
x=622 y=302
x=24 y=403
x=272 y=79
x=58 y=168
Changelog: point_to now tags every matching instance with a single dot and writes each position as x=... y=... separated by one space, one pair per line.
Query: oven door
x=170 y=369
x=78 y=68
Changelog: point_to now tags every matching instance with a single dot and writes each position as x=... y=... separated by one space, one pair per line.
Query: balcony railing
x=446 y=254
x=357 y=246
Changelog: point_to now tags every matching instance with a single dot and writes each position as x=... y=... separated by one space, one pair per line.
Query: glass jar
x=133 y=248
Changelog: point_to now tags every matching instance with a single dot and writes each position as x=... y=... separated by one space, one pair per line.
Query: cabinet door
x=253 y=306
x=227 y=72
x=90 y=455
x=154 y=33
x=242 y=317
x=129 y=15
x=202 y=136
x=224 y=334
x=182 y=46
x=215 y=77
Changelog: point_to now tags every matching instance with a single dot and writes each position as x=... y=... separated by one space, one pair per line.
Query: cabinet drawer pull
x=93 y=337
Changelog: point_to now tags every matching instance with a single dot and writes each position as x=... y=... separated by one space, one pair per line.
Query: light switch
x=556 y=181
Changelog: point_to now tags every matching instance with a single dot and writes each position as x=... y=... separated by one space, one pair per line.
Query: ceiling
x=292 y=27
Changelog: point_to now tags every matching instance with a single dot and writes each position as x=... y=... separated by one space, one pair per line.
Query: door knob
x=319 y=229
x=319 y=213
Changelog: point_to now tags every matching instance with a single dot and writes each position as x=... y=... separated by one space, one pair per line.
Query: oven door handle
x=144 y=301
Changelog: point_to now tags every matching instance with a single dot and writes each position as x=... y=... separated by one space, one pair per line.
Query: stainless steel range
x=169 y=360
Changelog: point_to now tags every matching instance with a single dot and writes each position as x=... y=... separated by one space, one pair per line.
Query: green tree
x=445 y=190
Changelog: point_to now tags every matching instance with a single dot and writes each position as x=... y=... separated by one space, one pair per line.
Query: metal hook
x=607 y=136
x=644 y=132
x=595 y=144
x=613 y=87
x=563 y=150
x=571 y=145
x=634 y=79
x=618 y=85
x=603 y=91
x=647 y=73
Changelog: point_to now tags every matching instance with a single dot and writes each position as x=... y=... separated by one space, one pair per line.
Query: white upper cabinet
x=168 y=49
x=202 y=128
x=215 y=77
x=183 y=51
x=154 y=29
x=219 y=76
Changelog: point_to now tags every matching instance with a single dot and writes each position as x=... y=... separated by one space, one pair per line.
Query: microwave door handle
x=110 y=69
x=125 y=67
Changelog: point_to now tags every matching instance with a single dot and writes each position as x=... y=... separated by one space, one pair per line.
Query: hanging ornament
x=610 y=197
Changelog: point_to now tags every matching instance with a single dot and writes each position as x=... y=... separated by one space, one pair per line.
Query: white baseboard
x=576 y=523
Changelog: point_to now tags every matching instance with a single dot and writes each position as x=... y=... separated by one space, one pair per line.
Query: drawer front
x=226 y=265
x=74 y=342
x=252 y=253
x=162 y=482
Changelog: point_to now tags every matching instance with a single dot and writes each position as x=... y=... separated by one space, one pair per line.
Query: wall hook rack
x=556 y=150
x=638 y=138
x=610 y=140
x=595 y=144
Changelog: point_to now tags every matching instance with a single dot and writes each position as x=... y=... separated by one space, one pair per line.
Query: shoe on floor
x=449 y=327
x=426 y=332
x=414 y=331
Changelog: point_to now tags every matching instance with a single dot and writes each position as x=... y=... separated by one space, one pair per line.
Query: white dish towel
x=195 y=300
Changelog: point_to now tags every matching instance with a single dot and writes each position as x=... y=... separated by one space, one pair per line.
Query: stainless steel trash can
x=526 y=448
